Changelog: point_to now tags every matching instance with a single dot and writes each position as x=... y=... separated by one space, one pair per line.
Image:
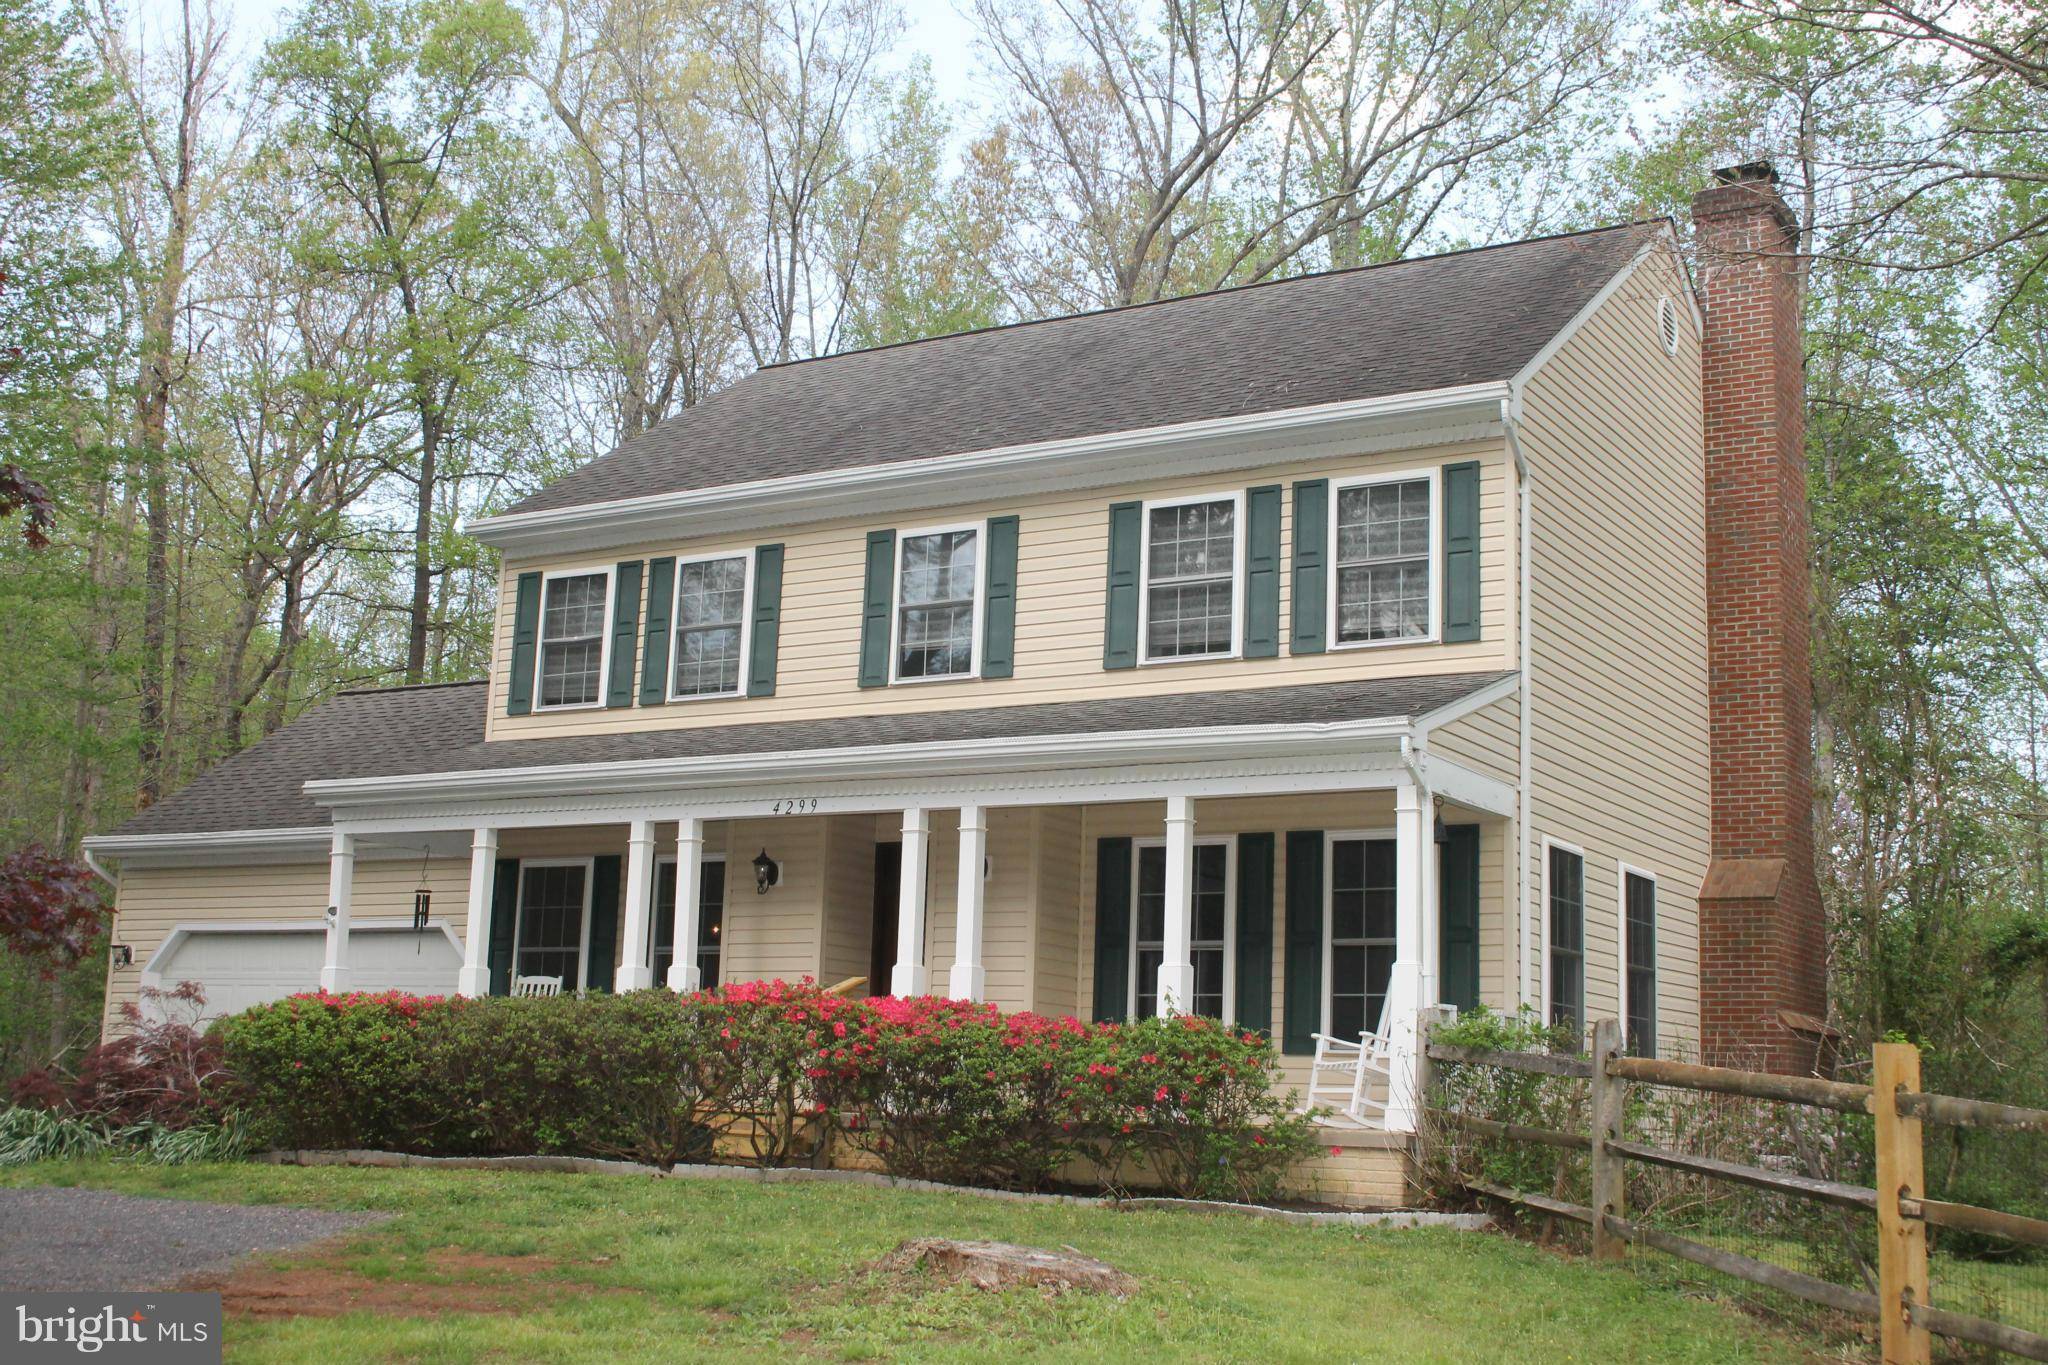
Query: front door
x=888 y=888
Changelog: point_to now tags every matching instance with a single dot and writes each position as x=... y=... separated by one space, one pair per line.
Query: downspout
x=93 y=862
x=1511 y=423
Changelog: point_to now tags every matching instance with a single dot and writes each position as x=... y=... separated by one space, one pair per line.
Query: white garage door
x=238 y=968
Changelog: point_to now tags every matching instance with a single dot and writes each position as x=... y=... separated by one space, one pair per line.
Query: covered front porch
x=1334 y=889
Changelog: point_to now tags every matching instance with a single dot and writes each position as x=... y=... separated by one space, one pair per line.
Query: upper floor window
x=938 y=590
x=1190 y=597
x=574 y=608
x=1385 y=546
x=710 y=617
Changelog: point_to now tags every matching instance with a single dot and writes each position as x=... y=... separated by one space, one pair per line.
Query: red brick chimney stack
x=1763 y=953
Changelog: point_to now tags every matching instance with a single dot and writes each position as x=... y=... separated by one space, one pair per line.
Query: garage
x=239 y=966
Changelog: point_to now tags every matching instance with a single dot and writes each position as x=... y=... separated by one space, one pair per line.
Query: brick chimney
x=1763 y=952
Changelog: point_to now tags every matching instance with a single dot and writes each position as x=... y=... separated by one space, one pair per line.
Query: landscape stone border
x=800 y=1175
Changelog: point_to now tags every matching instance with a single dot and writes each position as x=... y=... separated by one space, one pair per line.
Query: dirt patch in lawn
x=453 y=1282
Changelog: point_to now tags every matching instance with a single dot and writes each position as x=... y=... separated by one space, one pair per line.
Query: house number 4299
x=795 y=805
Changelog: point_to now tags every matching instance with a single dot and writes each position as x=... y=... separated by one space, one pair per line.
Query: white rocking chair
x=1352 y=1067
x=524 y=986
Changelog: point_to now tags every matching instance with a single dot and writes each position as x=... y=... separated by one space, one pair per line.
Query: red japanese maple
x=51 y=910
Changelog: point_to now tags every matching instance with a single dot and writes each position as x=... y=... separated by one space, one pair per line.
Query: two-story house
x=1301 y=654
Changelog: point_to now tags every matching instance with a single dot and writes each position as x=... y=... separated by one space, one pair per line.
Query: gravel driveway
x=93 y=1239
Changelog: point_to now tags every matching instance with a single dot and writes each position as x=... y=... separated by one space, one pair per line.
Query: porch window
x=938 y=582
x=553 y=920
x=1565 y=895
x=1213 y=911
x=1639 y=925
x=710 y=617
x=1192 y=551
x=1360 y=923
x=710 y=919
x=1383 y=540
x=572 y=637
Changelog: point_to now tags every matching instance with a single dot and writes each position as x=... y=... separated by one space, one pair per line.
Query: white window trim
x=980 y=529
x=604 y=639
x=589 y=866
x=675 y=601
x=1235 y=498
x=662 y=860
x=1622 y=872
x=1331 y=838
x=1548 y=844
x=1433 y=475
x=1229 y=844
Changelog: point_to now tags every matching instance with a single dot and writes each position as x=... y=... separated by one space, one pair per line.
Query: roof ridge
x=409 y=687
x=1215 y=292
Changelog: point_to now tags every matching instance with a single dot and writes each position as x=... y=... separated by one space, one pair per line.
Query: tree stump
x=1001 y=1265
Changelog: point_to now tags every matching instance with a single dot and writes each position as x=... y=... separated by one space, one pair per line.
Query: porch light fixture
x=767 y=872
x=1442 y=831
x=124 y=956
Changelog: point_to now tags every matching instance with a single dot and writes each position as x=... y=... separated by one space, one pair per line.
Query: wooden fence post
x=1609 y=1186
x=1901 y=1174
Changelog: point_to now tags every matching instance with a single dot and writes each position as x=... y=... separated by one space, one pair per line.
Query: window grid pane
x=1642 y=965
x=1361 y=934
x=550 y=922
x=572 y=639
x=1191 y=579
x=935 y=605
x=1567 y=939
x=710 y=920
x=710 y=607
x=1383 y=561
x=1210 y=910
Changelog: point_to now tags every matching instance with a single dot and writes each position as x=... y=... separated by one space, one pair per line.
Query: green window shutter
x=1255 y=932
x=1112 y=929
x=604 y=923
x=1304 y=966
x=661 y=597
x=999 y=631
x=625 y=633
x=874 y=617
x=1461 y=551
x=525 y=643
x=504 y=914
x=1262 y=572
x=1458 y=922
x=1311 y=584
x=1126 y=545
x=765 y=641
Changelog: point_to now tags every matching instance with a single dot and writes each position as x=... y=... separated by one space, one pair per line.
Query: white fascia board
x=1498 y=690
x=294 y=845
x=952 y=758
x=1429 y=417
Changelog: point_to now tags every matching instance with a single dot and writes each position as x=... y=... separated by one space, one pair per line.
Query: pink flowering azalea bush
x=769 y=1072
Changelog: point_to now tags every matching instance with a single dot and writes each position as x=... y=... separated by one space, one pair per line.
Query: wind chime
x=422 y=903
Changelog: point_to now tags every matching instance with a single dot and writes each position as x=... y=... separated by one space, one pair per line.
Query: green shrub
x=1453 y=1155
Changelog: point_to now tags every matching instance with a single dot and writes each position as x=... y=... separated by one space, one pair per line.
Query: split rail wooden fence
x=1907 y=1319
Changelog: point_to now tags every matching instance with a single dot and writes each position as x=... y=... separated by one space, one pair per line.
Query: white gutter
x=219 y=841
x=1214 y=443
x=1511 y=423
x=92 y=861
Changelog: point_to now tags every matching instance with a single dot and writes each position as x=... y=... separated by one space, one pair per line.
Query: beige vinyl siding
x=1486 y=741
x=1062 y=572
x=1057 y=862
x=1613 y=432
x=849 y=906
x=1006 y=915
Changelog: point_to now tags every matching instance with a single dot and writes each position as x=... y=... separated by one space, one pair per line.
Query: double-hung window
x=1358 y=956
x=1639 y=960
x=1384 y=532
x=710 y=919
x=711 y=626
x=575 y=611
x=1190 y=602
x=938 y=593
x=1214 y=911
x=1564 y=893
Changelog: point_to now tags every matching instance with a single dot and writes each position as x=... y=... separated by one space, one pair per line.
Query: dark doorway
x=882 y=944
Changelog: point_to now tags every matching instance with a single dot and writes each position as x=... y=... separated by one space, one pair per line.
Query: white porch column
x=341 y=876
x=969 y=981
x=636 y=969
x=1176 y=963
x=475 y=977
x=683 y=972
x=1432 y=906
x=910 y=976
x=1412 y=846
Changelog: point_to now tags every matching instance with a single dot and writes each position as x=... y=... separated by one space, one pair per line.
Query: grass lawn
x=508 y=1266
